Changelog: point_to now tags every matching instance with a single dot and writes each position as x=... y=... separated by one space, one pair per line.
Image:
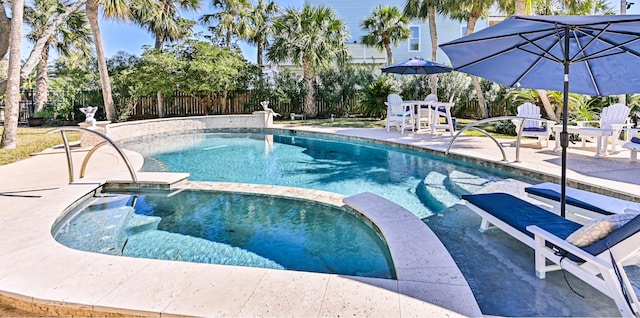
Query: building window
x=463 y=29
x=414 y=40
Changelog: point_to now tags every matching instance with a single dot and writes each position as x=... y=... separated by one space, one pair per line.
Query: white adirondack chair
x=442 y=110
x=532 y=128
x=398 y=114
x=424 y=113
x=615 y=118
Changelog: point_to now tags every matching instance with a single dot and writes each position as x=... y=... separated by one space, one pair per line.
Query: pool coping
x=39 y=275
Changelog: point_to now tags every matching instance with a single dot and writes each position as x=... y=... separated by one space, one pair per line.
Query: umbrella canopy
x=416 y=65
x=592 y=55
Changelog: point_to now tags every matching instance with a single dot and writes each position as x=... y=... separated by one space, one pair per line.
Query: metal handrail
x=108 y=140
x=488 y=120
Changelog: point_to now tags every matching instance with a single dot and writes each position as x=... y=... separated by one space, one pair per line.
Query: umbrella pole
x=564 y=135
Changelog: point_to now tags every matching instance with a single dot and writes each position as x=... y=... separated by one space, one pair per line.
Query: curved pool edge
x=39 y=275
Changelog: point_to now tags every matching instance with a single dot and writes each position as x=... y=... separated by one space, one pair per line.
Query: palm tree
x=261 y=27
x=73 y=35
x=385 y=25
x=426 y=10
x=471 y=11
x=10 y=133
x=165 y=23
x=34 y=56
x=312 y=38
x=231 y=18
x=112 y=9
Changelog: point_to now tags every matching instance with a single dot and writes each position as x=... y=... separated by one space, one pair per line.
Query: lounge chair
x=398 y=114
x=533 y=128
x=581 y=206
x=599 y=262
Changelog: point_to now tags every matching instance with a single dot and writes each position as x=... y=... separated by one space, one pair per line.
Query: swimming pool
x=420 y=182
x=228 y=229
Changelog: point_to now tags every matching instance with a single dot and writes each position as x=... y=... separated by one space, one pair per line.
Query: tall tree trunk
x=35 y=55
x=5 y=29
x=544 y=98
x=160 y=99
x=92 y=16
x=484 y=112
x=433 y=33
x=12 y=107
x=41 y=80
x=309 y=105
x=387 y=48
x=260 y=57
x=160 y=104
x=521 y=7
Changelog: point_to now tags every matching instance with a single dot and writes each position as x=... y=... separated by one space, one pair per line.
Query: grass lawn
x=32 y=140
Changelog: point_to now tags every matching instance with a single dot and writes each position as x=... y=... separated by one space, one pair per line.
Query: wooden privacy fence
x=181 y=104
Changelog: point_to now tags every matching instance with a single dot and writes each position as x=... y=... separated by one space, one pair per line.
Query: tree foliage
x=374 y=97
x=313 y=38
x=385 y=26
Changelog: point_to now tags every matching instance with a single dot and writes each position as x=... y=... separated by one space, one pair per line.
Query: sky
x=122 y=36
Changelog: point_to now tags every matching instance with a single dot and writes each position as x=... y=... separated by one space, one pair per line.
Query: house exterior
x=353 y=13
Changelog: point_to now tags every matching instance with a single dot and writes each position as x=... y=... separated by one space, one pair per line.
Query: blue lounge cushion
x=635 y=140
x=535 y=129
x=519 y=214
x=555 y=195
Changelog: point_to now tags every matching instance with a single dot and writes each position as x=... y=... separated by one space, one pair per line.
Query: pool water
x=423 y=184
x=229 y=229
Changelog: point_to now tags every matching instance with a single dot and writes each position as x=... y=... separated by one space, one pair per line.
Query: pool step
x=141 y=223
x=99 y=230
x=439 y=191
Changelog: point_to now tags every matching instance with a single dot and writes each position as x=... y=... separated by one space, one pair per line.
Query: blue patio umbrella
x=416 y=65
x=591 y=55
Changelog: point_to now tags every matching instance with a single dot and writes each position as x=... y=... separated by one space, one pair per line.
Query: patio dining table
x=600 y=134
x=431 y=119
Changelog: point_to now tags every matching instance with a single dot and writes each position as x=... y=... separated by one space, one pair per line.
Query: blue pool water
x=229 y=229
x=422 y=183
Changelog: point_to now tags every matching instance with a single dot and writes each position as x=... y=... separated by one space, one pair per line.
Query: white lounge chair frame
x=580 y=214
x=531 y=110
x=597 y=271
x=398 y=114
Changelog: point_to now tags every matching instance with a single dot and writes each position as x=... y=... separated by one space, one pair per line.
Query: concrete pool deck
x=23 y=182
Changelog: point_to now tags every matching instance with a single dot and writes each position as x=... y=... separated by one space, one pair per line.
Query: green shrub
x=374 y=96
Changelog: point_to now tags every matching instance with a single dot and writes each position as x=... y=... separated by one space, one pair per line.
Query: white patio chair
x=442 y=110
x=424 y=113
x=615 y=118
x=398 y=114
x=532 y=128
